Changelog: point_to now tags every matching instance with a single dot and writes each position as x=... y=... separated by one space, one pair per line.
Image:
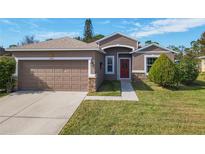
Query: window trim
x=106 y=65
x=145 y=61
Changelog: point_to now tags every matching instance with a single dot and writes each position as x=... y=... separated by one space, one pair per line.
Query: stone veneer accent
x=92 y=85
x=138 y=76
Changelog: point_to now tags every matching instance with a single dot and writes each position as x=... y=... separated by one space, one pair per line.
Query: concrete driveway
x=37 y=112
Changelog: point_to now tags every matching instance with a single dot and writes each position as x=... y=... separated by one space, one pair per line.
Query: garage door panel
x=83 y=87
x=67 y=79
x=84 y=74
x=75 y=87
x=84 y=71
x=53 y=75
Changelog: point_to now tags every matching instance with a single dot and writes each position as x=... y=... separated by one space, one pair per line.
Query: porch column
x=16 y=71
x=90 y=67
x=91 y=77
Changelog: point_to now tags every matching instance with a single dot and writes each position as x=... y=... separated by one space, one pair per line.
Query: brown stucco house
x=72 y=65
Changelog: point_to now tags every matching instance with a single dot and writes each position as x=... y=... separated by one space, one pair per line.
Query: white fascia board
x=153 y=52
x=118 y=45
x=10 y=49
x=53 y=58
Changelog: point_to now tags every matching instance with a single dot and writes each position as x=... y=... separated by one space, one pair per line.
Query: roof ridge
x=58 y=43
x=50 y=40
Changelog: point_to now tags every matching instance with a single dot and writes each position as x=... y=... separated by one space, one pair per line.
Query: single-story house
x=72 y=65
x=202 y=63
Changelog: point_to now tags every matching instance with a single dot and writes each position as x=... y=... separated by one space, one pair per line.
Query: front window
x=150 y=62
x=109 y=65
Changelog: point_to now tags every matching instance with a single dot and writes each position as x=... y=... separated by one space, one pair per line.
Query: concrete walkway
x=127 y=93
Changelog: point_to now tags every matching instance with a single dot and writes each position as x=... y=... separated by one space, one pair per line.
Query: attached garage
x=63 y=64
x=65 y=75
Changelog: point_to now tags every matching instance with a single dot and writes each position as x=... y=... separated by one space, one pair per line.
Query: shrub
x=164 y=72
x=7 y=69
x=188 y=69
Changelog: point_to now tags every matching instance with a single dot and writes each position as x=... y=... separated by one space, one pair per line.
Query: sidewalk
x=127 y=94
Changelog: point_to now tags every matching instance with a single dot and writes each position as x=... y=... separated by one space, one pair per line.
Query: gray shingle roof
x=61 y=43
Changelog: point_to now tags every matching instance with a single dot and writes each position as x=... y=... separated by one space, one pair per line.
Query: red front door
x=124 y=68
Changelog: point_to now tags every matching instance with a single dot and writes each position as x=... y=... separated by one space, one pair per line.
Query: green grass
x=108 y=88
x=159 y=111
x=2 y=94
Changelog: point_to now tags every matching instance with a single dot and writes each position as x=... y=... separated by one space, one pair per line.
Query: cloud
x=126 y=22
x=105 y=22
x=137 y=24
x=8 y=22
x=119 y=26
x=14 y=30
x=163 y=26
x=33 y=25
x=46 y=35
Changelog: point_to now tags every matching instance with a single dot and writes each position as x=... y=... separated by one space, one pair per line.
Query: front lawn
x=2 y=94
x=108 y=88
x=159 y=111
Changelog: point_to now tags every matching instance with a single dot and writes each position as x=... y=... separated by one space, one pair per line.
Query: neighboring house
x=72 y=65
x=202 y=63
x=2 y=51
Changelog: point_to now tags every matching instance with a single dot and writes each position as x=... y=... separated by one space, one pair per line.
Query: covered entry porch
x=118 y=62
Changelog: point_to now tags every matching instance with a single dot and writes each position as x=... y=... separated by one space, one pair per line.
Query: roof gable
x=113 y=35
x=117 y=40
x=154 y=47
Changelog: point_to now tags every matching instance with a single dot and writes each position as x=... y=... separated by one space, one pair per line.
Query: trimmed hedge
x=164 y=72
x=188 y=70
x=7 y=69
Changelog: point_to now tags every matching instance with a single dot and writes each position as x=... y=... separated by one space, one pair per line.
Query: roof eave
x=169 y=50
x=48 y=49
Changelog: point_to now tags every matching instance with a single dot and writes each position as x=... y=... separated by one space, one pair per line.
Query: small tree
x=188 y=70
x=29 y=40
x=49 y=39
x=150 y=42
x=78 y=38
x=97 y=37
x=12 y=46
x=7 y=69
x=164 y=72
x=88 y=31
